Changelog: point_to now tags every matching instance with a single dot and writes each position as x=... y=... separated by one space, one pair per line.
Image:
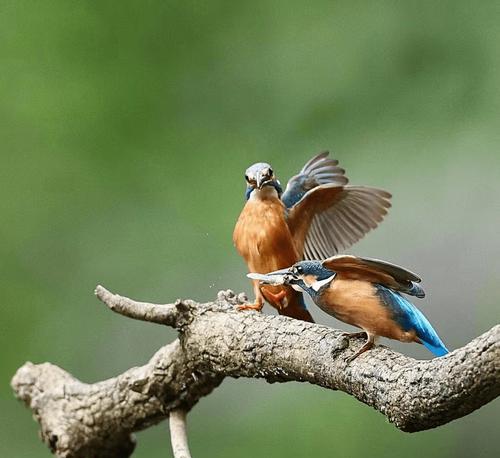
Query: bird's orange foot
x=257 y=306
x=367 y=346
x=276 y=298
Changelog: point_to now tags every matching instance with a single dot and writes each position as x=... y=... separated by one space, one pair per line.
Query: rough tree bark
x=216 y=341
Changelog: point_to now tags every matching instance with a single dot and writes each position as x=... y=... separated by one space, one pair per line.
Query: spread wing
x=330 y=218
x=376 y=271
x=319 y=170
x=325 y=215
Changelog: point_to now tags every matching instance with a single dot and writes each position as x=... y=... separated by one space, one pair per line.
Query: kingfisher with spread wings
x=318 y=215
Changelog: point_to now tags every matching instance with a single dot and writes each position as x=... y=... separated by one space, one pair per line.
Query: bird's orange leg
x=370 y=342
x=278 y=297
x=259 y=299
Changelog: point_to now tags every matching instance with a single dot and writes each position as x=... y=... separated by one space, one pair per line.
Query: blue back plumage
x=295 y=191
x=248 y=192
x=319 y=170
x=410 y=318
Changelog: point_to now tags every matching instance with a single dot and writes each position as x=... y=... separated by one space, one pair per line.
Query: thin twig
x=178 y=433
x=145 y=311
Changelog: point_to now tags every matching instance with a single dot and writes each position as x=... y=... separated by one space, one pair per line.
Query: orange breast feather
x=355 y=302
x=263 y=238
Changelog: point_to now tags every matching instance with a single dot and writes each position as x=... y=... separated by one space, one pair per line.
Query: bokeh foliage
x=126 y=128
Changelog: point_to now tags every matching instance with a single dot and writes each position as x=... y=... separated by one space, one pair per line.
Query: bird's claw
x=351 y=358
x=367 y=346
x=278 y=297
x=257 y=306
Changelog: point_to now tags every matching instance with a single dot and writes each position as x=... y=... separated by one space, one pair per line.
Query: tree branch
x=216 y=341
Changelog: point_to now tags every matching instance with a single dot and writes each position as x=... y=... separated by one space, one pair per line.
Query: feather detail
x=412 y=319
x=317 y=171
x=329 y=218
x=376 y=271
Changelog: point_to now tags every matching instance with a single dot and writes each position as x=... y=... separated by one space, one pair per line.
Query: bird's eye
x=270 y=172
x=298 y=269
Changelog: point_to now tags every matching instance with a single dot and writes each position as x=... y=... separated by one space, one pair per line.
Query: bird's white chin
x=297 y=288
x=317 y=285
x=265 y=192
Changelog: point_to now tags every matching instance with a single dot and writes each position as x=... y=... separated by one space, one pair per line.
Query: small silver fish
x=275 y=279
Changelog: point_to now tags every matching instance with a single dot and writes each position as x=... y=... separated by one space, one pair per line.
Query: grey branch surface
x=217 y=341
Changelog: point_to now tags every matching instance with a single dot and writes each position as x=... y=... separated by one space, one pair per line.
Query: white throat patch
x=265 y=192
x=317 y=285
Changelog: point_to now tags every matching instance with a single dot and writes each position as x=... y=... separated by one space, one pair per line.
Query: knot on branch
x=230 y=297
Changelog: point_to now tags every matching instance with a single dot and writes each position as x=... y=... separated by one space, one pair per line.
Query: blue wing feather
x=295 y=190
x=317 y=171
x=410 y=318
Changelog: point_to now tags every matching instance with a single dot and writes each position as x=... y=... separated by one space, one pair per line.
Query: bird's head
x=261 y=176
x=308 y=276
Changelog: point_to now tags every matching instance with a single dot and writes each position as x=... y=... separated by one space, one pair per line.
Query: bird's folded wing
x=329 y=218
x=376 y=271
x=317 y=171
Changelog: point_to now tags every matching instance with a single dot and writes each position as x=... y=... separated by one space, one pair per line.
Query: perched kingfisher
x=365 y=293
x=316 y=216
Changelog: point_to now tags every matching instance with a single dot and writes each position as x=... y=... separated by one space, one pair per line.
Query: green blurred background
x=126 y=128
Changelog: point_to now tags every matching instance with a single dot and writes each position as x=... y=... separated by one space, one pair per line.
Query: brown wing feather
x=373 y=270
x=302 y=213
x=330 y=218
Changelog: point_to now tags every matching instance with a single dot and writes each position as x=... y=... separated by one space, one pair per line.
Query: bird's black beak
x=278 y=277
x=262 y=180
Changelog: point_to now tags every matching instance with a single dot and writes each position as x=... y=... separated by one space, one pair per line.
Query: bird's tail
x=410 y=318
x=427 y=335
x=296 y=308
x=436 y=346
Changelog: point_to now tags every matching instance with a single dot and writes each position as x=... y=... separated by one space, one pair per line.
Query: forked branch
x=216 y=341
